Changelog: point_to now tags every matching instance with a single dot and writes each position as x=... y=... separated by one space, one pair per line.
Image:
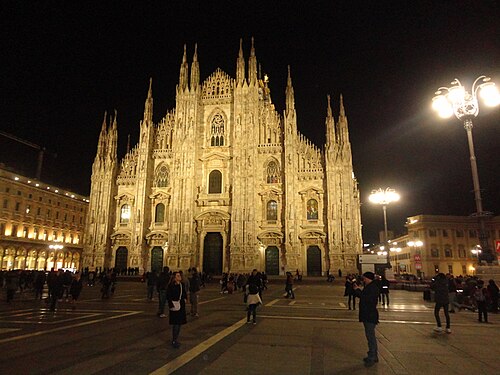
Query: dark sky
x=64 y=63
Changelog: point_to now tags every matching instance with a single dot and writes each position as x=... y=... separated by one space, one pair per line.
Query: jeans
x=372 y=340
x=385 y=296
x=151 y=289
x=162 y=299
x=176 y=329
x=252 y=309
x=446 y=314
x=353 y=301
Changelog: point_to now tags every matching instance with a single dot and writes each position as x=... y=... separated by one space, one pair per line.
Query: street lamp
x=384 y=198
x=465 y=106
x=396 y=250
x=476 y=251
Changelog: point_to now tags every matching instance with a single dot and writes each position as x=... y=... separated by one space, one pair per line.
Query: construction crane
x=41 y=151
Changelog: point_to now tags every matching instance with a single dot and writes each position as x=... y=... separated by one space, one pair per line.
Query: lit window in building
x=312 y=209
x=160 y=213
x=272 y=172
x=217 y=131
x=272 y=210
x=125 y=214
x=215 y=182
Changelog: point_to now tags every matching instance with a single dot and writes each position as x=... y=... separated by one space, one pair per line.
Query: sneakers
x=438 y=329
x=448 y=330
x=248 y=322
x=254 y=323
x=162 y=316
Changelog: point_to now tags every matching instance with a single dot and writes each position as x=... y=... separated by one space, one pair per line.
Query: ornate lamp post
x=456 y=100
x=384 y=198
x=396 y=250
x=416 y=244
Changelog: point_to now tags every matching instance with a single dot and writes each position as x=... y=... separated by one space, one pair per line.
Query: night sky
x=64 y=63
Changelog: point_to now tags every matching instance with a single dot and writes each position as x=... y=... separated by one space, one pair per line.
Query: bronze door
x=212 y=253
x=121 y=258
x=157 y=259
x=313 y=261
x=272 y=261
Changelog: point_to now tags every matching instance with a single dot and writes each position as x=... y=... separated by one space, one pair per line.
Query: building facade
x=225 y=183
x=41 y=226
x=446 y=245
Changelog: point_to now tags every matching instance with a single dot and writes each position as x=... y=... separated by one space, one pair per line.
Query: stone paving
x=313 y=334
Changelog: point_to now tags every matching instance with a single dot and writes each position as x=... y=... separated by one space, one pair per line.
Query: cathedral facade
x=225 y=183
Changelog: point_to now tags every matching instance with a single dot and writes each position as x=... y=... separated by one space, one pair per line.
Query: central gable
x=218 y=88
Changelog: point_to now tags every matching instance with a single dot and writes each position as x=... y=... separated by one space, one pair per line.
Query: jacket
x=440 y=287
x=368 y=299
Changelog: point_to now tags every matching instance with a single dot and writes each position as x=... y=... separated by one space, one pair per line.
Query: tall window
x=215 y=182
x=125 y=214
x=162 y=176
x=312 y=209
x=461 y=251
x=272 y=210
x=434 y=252
x=160 y=213
x=447 y=252
x=273 y=172
x=217 y=131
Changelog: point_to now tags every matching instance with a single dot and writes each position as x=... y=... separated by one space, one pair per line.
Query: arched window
x=125 y=214
x=162 y=176
x=160 y=213
x=215 y=182
x=273 y=172
x=217 y=131
x=312 y=209
x=272 y=210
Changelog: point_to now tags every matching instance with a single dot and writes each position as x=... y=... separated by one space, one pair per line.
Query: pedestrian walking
x=161 y=286
x=194 y=290
x=349 y=291
x=151 y=281
x=384 y=290
x=289 y=286
x=176 y=297
x=368 y=314
x=40 y=279
x=493 y=293
x=57 y=289
x=11 y=283
x=481 y=297
x=440 y=287
x=253 y=301
x=75 y=289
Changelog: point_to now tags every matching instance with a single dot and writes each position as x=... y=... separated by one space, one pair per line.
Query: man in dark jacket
x=368 y=314
x=441 y=297
x=194 y=290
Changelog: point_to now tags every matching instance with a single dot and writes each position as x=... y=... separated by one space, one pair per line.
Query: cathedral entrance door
x=157 y=259
x=313 y=261
x=272 y=261
x=121 y=258
x=212 y=253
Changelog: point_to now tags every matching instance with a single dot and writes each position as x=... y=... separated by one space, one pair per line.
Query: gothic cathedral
x=225 y=183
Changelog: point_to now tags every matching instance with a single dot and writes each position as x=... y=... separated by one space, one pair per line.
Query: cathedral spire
x=148 y=106
x=290 y=99
x=330 y=125
x=342 y=123
x=195 y=70
x=252 y=66
x=113 y=138
x=183 y=75
x=240 y=65
x=101 y=145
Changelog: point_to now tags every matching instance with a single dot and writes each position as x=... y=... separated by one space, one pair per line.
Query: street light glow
x=386 y=196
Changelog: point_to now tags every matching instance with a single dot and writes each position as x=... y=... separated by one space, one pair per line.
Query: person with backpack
x=481 y=297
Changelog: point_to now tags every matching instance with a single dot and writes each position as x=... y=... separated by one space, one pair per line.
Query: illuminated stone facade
x=41 y=226
x=447 y=242
x=225 y=183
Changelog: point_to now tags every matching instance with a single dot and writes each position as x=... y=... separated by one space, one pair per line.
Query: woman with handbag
x=176 y=297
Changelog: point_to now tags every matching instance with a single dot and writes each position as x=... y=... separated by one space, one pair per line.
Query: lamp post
x=465 y=106
x=396 y=250
x=416 y=244
x=384 y=198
